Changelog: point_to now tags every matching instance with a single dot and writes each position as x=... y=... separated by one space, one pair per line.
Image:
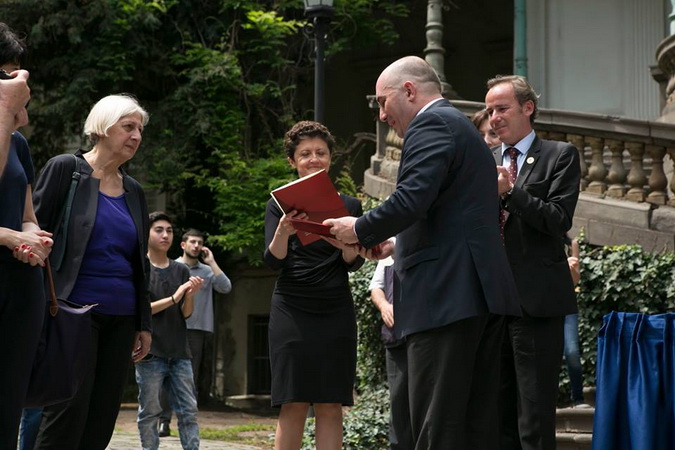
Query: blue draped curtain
x=635 y=399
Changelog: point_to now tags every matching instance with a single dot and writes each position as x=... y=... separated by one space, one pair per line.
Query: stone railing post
x=617 y=173
x=671 y=153
x=636 y=175
x=578 y=141
x=597 y=172
x=657 y=179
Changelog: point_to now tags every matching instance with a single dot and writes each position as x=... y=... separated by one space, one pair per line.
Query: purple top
x=106 y=274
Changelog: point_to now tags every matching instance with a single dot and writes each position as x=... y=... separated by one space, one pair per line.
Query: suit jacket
x=450 y=259
x=49 y=196
x=541 y=208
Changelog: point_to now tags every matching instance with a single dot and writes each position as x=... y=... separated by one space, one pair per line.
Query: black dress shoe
x=164 y=429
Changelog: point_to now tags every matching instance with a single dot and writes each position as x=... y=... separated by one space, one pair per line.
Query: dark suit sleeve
x=427 y=156
x=356 y=210
x=548 y=206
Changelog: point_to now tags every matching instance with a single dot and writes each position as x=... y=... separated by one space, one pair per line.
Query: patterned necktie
x=513 y=174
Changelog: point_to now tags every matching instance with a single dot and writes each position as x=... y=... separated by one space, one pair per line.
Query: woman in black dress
x=312 y=329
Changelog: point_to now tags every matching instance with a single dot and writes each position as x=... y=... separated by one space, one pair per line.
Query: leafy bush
x=366 y=424
x=620 y=278
x=370 y=361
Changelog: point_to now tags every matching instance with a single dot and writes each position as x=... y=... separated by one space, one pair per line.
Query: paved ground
x=126 y=432
x=123 y=441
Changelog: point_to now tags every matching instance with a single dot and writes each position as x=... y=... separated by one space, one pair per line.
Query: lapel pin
x=530 y=160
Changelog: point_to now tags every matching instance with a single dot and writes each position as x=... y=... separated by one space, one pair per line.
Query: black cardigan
x=49 y=196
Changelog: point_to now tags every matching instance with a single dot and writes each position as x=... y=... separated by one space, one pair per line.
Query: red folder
x=315 y=195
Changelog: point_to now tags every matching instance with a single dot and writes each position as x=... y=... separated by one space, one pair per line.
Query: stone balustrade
x=622 y=160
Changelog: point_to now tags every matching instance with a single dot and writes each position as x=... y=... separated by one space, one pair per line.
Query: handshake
x=344 y=235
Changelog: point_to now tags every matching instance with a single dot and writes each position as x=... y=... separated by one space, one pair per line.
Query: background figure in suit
x=382 y=294
x=538 y=197
x=455 y=284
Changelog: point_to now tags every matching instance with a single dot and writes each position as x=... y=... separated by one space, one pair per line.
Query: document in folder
x=314 y=195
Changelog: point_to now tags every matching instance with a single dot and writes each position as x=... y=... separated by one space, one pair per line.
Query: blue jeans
x=573 y=358
x=150 y=375
x=30 y=425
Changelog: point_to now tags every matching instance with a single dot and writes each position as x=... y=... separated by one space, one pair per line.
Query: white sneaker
x=582 y=406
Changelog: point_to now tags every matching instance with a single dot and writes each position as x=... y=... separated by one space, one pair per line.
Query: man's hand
x=142 y=343
x=208 y=256
x=503 y=183
x=387 y=313
x=380 y=251
x=343 y=229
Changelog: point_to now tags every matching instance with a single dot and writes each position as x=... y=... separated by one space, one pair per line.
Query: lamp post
x=320 y=13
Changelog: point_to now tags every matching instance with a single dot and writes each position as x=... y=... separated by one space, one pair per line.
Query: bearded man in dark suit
x=455 y=285
x=539 y=186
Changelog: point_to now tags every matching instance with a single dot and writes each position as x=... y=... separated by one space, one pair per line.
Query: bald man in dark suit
x=455 y=284
x=539 y=186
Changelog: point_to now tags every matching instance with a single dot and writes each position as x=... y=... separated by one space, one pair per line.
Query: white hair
x=107 y=111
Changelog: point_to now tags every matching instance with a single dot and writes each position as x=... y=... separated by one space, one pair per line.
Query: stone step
x=573 y=441
x=574 y=420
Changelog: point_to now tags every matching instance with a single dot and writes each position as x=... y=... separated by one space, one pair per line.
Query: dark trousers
x=400 y=432
x=531 y=360
x=22 y=309
x=87 y=421
x=453 y=384
x=197 y=342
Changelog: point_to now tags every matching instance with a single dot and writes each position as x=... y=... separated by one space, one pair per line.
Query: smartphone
x=202 y=254
x=4 y=75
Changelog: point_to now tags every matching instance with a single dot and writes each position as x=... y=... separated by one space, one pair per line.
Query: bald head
x=416 y=70
x=403 y=89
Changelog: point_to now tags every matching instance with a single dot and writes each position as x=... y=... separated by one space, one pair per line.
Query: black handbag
x=61 y=360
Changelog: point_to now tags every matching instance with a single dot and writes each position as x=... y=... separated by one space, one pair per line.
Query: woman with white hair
x=103 y=263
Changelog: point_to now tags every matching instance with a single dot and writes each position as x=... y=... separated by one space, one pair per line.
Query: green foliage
x=242 y=216
x=621 y=278
x=366 y=424
x=220 y=78
x=371 y=373
x=370 y=364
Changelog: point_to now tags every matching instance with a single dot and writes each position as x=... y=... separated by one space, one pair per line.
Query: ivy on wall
x=620 y=278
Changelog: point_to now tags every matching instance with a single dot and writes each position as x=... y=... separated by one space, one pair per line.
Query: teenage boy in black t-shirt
x=171 y=292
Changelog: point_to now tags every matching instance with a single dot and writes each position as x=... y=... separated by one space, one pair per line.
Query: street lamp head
x=318 y=8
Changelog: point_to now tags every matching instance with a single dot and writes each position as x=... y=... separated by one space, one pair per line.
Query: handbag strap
x=64 y=217
x=53 y=304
